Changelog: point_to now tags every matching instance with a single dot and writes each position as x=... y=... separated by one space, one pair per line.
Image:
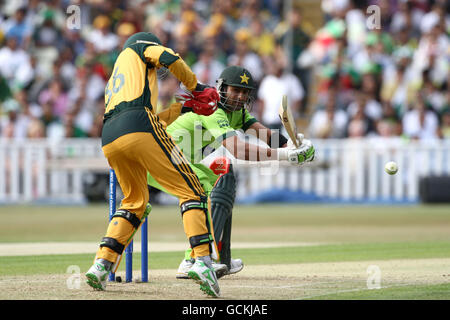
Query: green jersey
x=193 y=132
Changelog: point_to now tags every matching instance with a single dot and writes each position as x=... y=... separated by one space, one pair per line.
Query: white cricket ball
x=391 y=167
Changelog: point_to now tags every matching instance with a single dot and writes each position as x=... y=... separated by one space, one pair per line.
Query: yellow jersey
x=133 y=86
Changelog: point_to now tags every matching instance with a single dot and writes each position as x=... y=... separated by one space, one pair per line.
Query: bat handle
x=299 y=138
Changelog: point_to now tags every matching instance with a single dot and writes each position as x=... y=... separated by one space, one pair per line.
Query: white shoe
x=183 y=269
x=205 y=277
x=186 y=265
x=236 y=266
x=96 y=276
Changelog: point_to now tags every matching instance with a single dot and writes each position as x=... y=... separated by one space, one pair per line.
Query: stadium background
x=349 y=75
x=382 y=92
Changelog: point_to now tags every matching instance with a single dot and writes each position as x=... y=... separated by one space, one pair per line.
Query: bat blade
x=288 y=120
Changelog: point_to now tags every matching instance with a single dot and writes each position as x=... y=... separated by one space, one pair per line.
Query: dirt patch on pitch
x=261 y=282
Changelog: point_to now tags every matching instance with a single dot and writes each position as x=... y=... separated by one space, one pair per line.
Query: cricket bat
x=288 y=121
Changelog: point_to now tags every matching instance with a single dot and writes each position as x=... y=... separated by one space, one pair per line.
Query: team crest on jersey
x=223 y=123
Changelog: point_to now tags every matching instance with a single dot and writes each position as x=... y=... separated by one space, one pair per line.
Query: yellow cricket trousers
x=131 y=156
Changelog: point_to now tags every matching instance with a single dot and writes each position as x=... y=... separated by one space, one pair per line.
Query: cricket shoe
x=186 y=265
x=97 y=275
x=183 y=269
x=236 y=265
x=205 y=277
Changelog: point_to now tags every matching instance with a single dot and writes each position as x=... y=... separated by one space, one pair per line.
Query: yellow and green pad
x=121 y=220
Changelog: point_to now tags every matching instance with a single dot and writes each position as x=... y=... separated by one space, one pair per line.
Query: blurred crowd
x=356 y=75
x=382 y=76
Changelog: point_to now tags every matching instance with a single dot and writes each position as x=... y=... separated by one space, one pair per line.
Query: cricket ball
x=391 y=167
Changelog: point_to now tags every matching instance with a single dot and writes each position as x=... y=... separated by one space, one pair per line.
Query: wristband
x=282 y=154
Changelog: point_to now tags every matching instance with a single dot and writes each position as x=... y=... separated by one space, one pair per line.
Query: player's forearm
x=260 y=131
x=249 y=152
x=183 y=73
x=265 y=134
x=160 y=56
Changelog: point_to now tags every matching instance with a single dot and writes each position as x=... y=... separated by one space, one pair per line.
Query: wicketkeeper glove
x=202 y=102
x=290 y=143
x=305 y=153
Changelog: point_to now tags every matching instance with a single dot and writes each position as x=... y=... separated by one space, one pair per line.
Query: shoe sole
x=182 y=276
x=233 y=271
x=204 y=285
x=221 y=272
x=93 y=282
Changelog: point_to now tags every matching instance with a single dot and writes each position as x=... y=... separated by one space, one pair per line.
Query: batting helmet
x=235 y=76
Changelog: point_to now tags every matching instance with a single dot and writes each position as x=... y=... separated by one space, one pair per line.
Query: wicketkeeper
x=135 y=141
x=236 y=88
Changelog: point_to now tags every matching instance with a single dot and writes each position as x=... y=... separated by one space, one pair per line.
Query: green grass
x=264 y=223
x=410 y=292
x=49 y=264
x=340 y=234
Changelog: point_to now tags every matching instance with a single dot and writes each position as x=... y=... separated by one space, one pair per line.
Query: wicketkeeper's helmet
x=141 y=37
x=235 y=76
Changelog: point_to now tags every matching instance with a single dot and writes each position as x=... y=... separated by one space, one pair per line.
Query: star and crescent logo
x=244 y=78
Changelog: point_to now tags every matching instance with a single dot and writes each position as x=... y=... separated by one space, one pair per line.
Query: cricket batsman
x=236 y=88
x=135 y=141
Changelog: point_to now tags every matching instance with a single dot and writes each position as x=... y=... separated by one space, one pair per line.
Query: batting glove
x=305 y=153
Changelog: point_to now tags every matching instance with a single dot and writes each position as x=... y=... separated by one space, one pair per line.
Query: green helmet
x=239 y=77
x=141 y=37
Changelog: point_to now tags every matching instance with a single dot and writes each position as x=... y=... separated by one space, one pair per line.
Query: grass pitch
x=408 y=245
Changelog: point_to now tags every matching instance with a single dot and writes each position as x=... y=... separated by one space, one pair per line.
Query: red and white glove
x=202 y=102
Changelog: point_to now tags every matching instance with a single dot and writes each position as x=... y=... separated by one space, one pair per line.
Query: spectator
x=218 y=31
x=277 y=83
x=47 y=34
x=18 y=27
x=15 y=65
x=419 y=122
x=360 y=125
x=56 y=97
x=400 y=81
x=389 y=125
x=329 y=122
x=208 y=68
x=36 y=129
x=369 y=107
x=15 y=123
x=101 y=37
x=52 y=124
x=71 y=130
x=244 y=57
x=444 y=131
x=298 y=40
x=386 y=66
x=262 y=42
x=185 y=49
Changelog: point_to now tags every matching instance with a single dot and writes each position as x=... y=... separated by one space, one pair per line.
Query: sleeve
x=170 y=114
x=218 y=126
x=160 y=56
x=248 y=120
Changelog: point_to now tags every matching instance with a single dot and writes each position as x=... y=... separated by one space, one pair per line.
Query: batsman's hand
x=290 y=143
x=203 y=102
x=305 y=153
